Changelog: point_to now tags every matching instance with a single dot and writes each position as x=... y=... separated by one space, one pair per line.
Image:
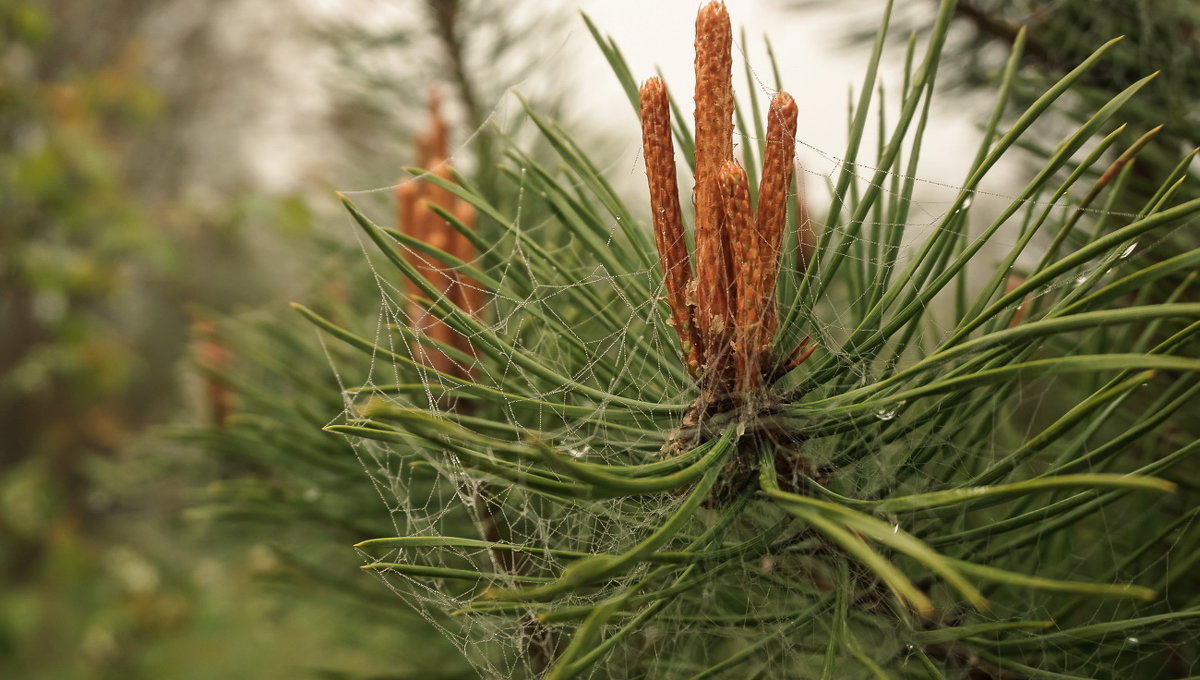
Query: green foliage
x=94 y=579
x=1158 y=37
x=275 y=373
x=70 y=225
x=1161 y=37
x=71 y=233
x=944 y=489
x=319 y=490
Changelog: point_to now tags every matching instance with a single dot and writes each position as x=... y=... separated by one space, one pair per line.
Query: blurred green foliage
x=100 y=575
x=71 y=235
x=71 y=240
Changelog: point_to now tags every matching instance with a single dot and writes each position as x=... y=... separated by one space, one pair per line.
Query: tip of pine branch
x=783 y=102
x=653 y=85
x=713 y=17
x=1140 y=592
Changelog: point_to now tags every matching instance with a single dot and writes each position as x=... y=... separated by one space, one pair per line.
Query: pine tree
x=655 y=451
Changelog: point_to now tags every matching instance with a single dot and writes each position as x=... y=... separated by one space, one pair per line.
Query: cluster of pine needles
x=652 y=452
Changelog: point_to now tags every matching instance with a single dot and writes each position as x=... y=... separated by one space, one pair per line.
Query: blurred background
x=167 y=178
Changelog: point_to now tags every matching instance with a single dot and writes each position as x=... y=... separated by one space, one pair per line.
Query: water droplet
x=1129 y=250
x=895 y=528
x=1132 y=640
x=1081 y=279
x=662 y=210
x=741 y=429
x=889 y=413
x=579 y=453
